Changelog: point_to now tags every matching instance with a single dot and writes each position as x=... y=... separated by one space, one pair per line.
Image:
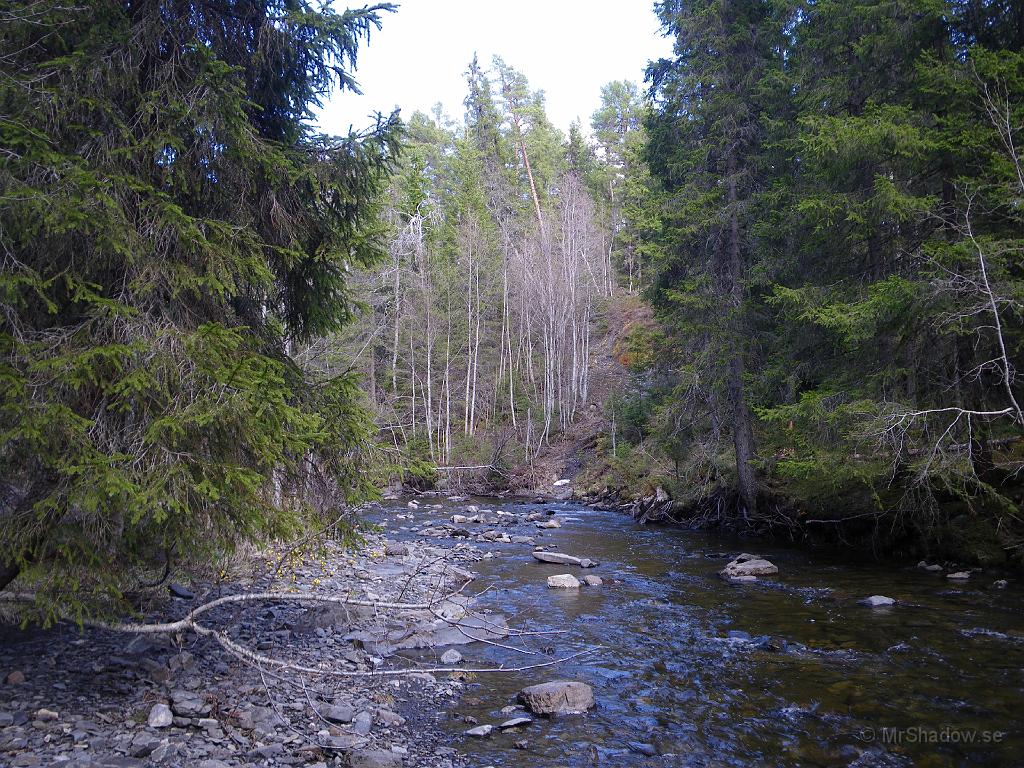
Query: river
x=935 y=680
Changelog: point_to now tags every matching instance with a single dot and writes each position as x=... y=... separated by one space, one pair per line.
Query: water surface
x=936 y=680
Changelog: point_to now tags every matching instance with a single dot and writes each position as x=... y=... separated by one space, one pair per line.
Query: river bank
x=97 y=698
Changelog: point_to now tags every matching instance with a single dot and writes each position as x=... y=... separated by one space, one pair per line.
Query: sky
x=567 y=48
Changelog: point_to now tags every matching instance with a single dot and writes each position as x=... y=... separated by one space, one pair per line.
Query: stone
x=188 y=704
x=46 y=715
x=1000 y=584
x=748 y=565
x=160 y=716
x=345 y=741
x=552 y=523
x=143 y=744
x=515 y=722
x=876 y=601
x=563 y=559
x=924 y=566
x=6 y=718
x=560 y=483
x=451 y=656
x=959 y=576
x=362 y=724
x=738 y=634
x=17 y=677
x=180 y=592
x=741 y=579
x=394 y=549
x=375 y=758
x=472 y=509
x=563 y=581
x=459 y=519
x=480 y=731
x=643 y=748
x=389 y=719
x=558 y=697
x=339 y=713
x=593 y=581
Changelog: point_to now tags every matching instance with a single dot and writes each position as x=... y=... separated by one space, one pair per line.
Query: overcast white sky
x=567 y=48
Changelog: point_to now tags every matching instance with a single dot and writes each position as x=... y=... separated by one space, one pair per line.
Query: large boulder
x=558 y=697
x=748 y=565
x=563 y=581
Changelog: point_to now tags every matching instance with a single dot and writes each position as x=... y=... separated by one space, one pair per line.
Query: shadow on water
x=936 y=680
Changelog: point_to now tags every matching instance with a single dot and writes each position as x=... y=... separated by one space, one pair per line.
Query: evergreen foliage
x=173 y=232
x=867 y=156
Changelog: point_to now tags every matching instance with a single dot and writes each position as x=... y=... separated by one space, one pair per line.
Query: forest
x=777 y=287
x=304 y=438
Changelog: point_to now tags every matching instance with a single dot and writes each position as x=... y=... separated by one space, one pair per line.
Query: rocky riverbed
x=619 y=644
x=100 y=698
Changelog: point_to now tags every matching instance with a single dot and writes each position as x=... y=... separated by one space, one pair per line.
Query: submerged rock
x=876 y=601
x=558 y=697
x=563 y=581
x=959 y=576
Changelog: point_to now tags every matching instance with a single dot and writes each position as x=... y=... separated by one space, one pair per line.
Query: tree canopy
x=173 y=231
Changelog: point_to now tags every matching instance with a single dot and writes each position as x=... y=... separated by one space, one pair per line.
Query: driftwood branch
x=263 y=662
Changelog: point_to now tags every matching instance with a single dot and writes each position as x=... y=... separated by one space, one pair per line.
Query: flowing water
x=936 y=680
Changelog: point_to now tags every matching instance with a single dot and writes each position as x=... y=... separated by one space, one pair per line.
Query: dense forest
x=793 y=265
x=778 y=287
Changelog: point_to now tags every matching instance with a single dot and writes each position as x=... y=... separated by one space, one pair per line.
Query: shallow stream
x=936 y=680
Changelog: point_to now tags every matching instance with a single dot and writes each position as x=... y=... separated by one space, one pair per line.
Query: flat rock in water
x=877 y=601
x=593 y=581
x=558 y=697
x=480 y=731
x=552 y=523
x=515 y=722
x=562 y=559
x=563 y=581
x=748 y=565
x=959 y=576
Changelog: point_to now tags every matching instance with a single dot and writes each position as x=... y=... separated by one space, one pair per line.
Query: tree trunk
x=743 y=434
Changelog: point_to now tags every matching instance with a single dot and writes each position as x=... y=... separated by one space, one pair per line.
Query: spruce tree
x=706 y=135
x=173 y=230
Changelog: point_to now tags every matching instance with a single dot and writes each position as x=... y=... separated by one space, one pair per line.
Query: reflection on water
x=935 y=681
